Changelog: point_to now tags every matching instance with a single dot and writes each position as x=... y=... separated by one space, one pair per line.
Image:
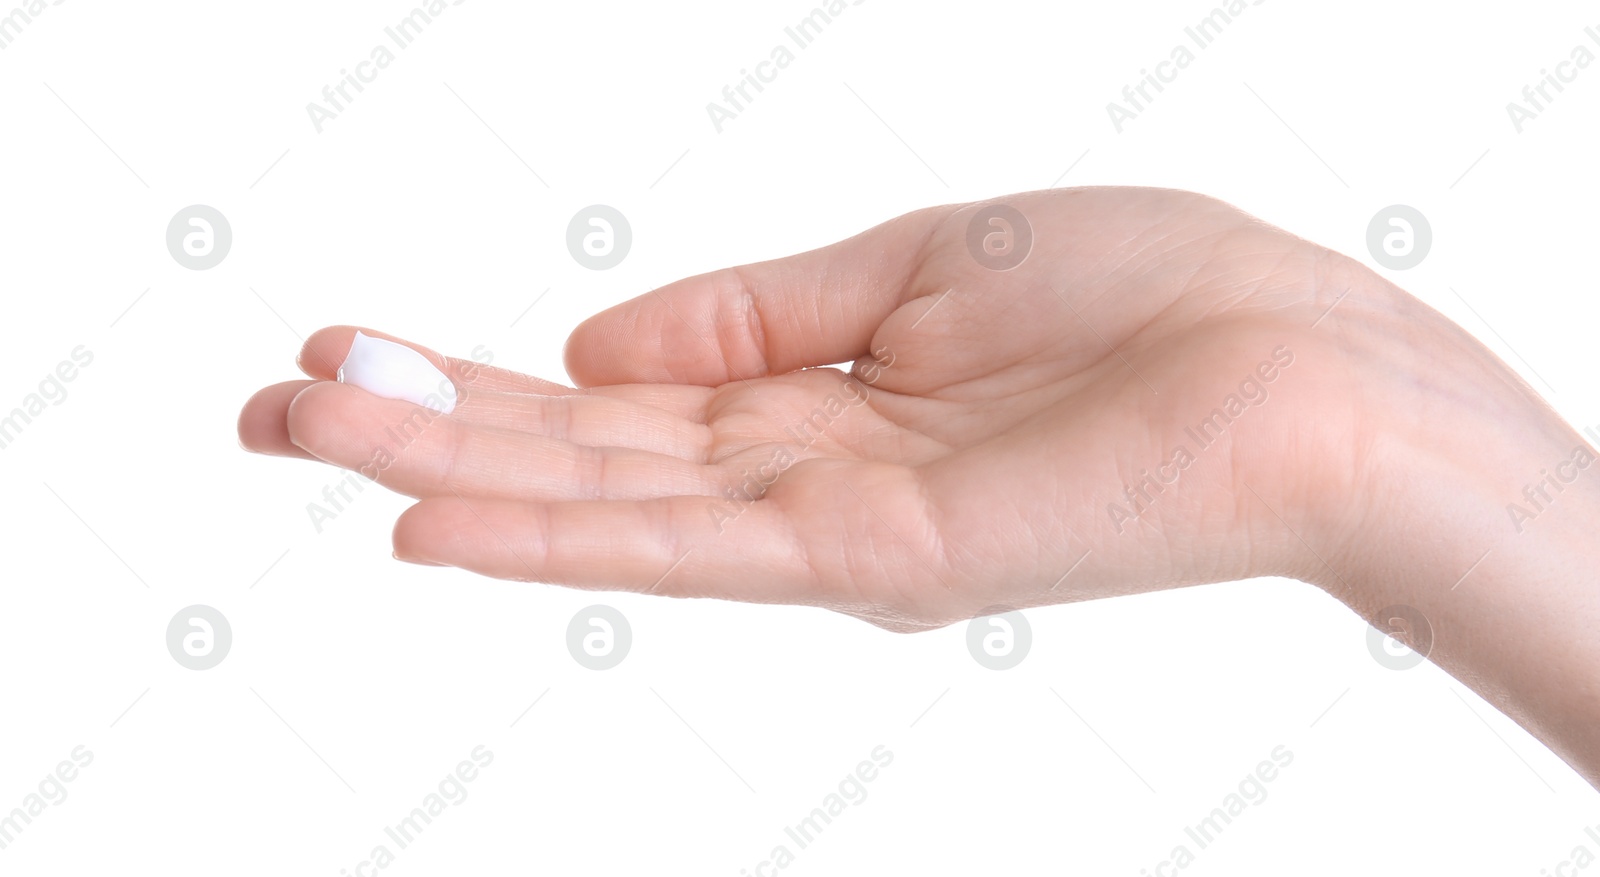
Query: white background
x=1130 y=719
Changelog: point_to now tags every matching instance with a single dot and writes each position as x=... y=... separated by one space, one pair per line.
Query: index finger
x=326 y=350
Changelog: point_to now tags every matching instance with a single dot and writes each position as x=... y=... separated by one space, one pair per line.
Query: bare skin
x=1016 y=438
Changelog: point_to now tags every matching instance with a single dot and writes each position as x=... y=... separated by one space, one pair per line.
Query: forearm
x=1487 y=522
x=1521 y=626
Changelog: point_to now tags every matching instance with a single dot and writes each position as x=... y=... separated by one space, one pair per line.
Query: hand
x=1166 y=391
x=970 y=460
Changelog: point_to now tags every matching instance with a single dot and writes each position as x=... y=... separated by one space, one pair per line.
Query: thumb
x=816 y=308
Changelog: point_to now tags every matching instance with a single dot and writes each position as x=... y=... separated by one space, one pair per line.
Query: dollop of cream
x=395 y=371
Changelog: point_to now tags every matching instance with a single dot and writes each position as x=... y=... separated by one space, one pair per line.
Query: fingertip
x=409 y=529
x=325 y=349
x=592 y=350
x=424 y=532
x=310 y=418
x=572 y=355
x=263 y=421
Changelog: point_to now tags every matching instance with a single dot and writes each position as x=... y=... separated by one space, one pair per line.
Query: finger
x=816 y=308
x=327 y=348
x=413 y=450
x=814 y=540
x=325 y=351
x=595 y=421
x=664 y=546
x=263 y=422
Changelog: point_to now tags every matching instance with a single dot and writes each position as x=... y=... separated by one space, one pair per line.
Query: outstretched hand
x=1163 y=391
x=1131 y=407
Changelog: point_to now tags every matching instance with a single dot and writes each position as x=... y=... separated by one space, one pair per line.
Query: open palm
x=1008 y=434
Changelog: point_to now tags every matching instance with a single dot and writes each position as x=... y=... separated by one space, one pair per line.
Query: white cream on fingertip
x=395 y=371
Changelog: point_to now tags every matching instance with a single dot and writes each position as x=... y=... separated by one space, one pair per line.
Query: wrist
x=1453 y=449
x=1469 y=532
